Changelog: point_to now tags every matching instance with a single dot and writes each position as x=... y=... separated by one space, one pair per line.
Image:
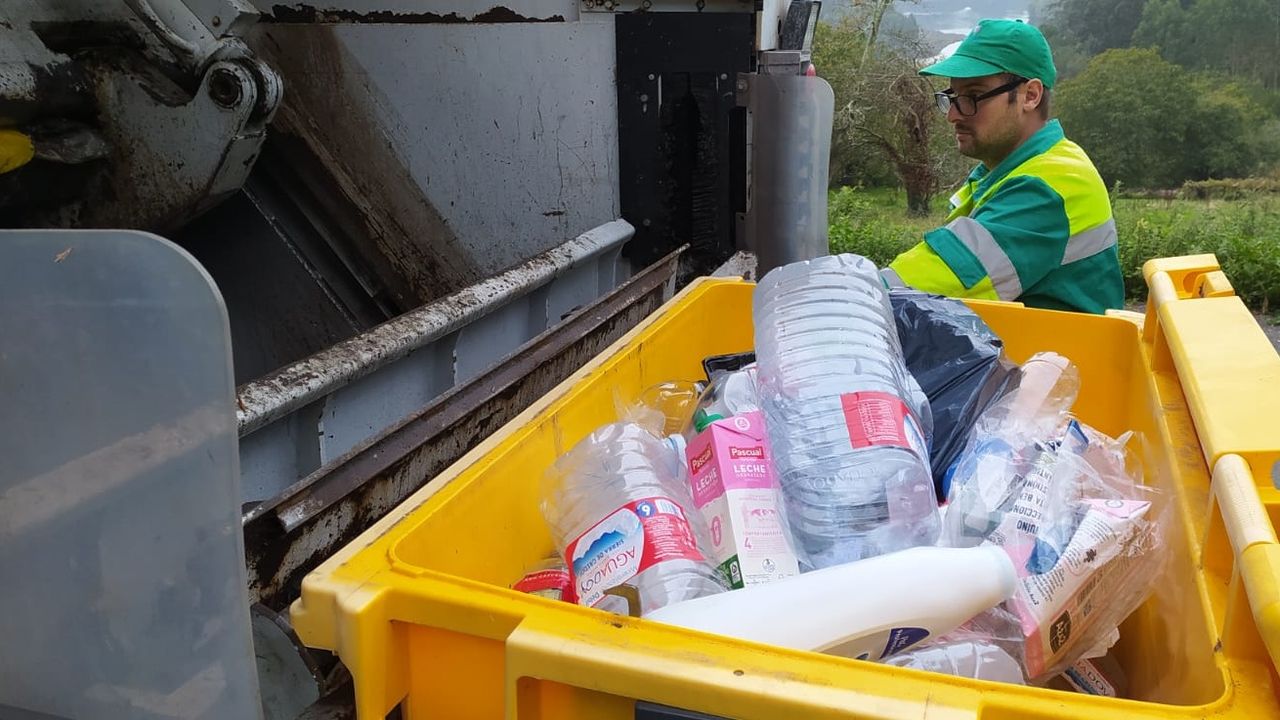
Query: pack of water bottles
x=814 y=452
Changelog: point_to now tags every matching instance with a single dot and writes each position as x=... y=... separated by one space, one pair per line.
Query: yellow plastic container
x=419 y=608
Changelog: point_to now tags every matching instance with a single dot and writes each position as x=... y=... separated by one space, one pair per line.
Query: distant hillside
x=943 y=22
x=958 y=16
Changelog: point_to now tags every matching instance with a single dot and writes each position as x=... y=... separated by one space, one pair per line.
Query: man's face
x=992 y=132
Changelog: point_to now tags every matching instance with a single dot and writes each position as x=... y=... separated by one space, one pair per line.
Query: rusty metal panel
x=291 y=534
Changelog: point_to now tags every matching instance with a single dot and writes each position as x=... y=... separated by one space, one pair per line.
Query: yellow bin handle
x=1254 y=549
x=1228 y=371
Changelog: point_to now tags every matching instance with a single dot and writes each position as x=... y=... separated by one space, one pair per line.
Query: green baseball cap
x=1000 y=46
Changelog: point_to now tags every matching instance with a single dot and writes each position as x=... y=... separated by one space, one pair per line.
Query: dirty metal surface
x=417 y=11
x=385 y=389
x=312 y=411
x=288 y=536
x=447 y=136
x=273 y=396
x=330 y=152
x=256 y=265
x=666 y=6
x=172 y=155
x=332 y=15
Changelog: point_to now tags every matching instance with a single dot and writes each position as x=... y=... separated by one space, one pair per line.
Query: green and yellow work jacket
x=1037 y=229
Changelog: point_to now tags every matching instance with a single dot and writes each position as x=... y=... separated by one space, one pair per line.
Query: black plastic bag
x=958 y=362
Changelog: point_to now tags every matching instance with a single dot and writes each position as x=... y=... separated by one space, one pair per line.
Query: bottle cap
x=702 y=419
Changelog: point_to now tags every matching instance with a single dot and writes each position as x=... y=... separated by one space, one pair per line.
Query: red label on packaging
x=553 y=583
x=756 y=452
x=880 y=418
x=632 y=539
x=697 y=463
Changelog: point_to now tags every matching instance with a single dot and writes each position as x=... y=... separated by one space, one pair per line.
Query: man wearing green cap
x=1032 y=222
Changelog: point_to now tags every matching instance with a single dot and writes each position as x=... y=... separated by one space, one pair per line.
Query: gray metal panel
x=505 y=134
x=289 y=534
x=311 y=413
x=280 y=452
x=578 y=289
x=791 y=119
x=364 y=409
x=522 y=128
x=493 y=336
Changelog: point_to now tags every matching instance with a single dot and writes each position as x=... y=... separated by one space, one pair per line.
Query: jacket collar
x=1043 y=139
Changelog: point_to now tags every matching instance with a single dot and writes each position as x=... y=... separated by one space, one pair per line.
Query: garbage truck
x=419 y=218
x=299 y=299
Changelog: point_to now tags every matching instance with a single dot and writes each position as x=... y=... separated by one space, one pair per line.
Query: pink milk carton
x=737 y=492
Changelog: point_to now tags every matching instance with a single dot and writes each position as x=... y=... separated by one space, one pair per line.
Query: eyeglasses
x=967 y=105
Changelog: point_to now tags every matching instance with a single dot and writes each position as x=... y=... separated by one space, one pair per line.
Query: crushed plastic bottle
x=729 y=394
x=621 y=512
x=965 y=658
x=847 y=423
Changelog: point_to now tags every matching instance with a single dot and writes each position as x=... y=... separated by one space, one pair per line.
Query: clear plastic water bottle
x=728 y=394
x=621 y=513
x=847 y=424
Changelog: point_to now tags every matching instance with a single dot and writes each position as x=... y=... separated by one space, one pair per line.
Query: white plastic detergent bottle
x=868 y=610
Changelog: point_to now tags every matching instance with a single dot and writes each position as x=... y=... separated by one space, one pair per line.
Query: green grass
x=874 y=223
x=1244 y=234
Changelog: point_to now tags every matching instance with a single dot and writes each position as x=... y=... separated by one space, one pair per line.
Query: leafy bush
x=1206 y=126
x=872 y=224
x=1243 y=234
x=1230 y=188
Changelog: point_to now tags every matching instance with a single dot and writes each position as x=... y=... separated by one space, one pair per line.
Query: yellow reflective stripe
x=16 y=150
x=1090 y=242
x=925 y=270
x=1000 y=270
x=1068 y=170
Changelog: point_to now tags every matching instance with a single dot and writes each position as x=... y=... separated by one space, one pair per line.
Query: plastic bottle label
x=880 y=418
x=902 y=638
x=1087 y=678
x=551 y=583
x=630 y=540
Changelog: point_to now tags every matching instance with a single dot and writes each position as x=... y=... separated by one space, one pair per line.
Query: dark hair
x=1042 y=108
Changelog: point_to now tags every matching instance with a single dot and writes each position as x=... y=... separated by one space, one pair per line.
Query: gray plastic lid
x=120 y=541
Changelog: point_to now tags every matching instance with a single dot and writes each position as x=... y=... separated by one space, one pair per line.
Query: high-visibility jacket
x=1037 y=229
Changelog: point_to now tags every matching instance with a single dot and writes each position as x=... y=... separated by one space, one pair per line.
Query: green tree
x=1237 y=37
x=1193 y=126
x=886 y=123
x=837 y=52
x=1096 y=25
x=1132 y=134
x=1229 y=133
x=1068 y=56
